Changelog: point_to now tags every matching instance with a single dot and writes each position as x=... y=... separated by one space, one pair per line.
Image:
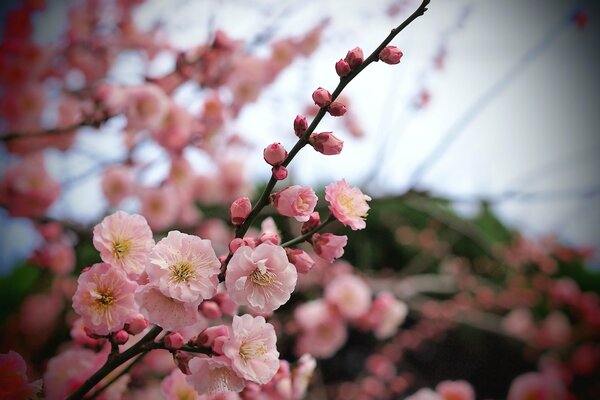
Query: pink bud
x=239 y=210
x=182 y=360
x=120 y=337
x=300 y=125
x=228 y=306
x=329 y=246
x=210 y=309
x=313 y=221
x=280 y=172
x=390 y=55
x=174 y=341
x=136 y=325
x=235 y=244
x=207 y=337
x=271 y=237
x=342 y=68
x=274 y=154
x=355 y=57
x=326 y=143
x=249 y=241
x=301 y=260
x=321 y=97
x=217 y=345
x=336 y=109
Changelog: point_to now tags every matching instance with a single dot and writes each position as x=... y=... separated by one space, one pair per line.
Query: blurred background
x=479 y=149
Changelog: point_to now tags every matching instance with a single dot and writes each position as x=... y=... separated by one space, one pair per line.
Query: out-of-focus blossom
x=350 y=295
x=160 y=206
x=323 y=331
x=386 y=314
x=301 y=376
x=176 y=387
x=69 y=370
x=455 y=390
x=329 y=246
x=117 y=184
x=533 y=385
x=14 y=383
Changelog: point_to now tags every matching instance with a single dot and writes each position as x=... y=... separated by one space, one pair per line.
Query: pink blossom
x=424 y=394
x=26 y=189
x=184 y=267
x=39 y=313
x=390 y=55
x=58 y=257
x=176 y=387
x=519 y=323
x=160 y=206
x=213 y=374
x=533 y=385
x=323 y=332
x=350 y=294
x=68 y=370
x=301 y=376
x=239 y=210
x=146 y=106
x=455 y=390
x=104 y=299
x=261 y=279
x=165 y=311
x=176 y=128
x=295 y=201
x=252 y=349
x=348 y=204
x=386 y=314
x=329 y=246
x=14 y=384
x=117 y=184
x=124 y=241
x=80 y=336
x=301 y=260
x=326 y=143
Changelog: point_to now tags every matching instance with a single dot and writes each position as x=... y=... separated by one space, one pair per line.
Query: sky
x=513 y=115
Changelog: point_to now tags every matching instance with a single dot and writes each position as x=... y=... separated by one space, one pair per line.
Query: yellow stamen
x=121 y=247
x=183 y=271
x=251 y=350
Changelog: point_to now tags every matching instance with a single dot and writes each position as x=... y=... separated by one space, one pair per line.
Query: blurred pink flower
x=301 y=376
x=252 y=349
x=68 y=370
x=347 y=204
x=295 y=201
x=533 y=385
x=455 y=390
x=350 y=295
x=213 y=374
x=160 y=206
x=175 y=387
x=104 y=298
x=323 y=332
x=14 y=383
x=117 y=184
x=146 y=106
x=261 y=278
x=386 y=314
x=184 y=267
x=169 y=313
x=124 y=241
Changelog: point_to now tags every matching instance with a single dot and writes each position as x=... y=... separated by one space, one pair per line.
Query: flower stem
x=308 y=234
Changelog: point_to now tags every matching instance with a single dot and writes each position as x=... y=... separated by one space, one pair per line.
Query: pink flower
x=104 y=299
x=124 y=241
x=295 y=201
x=347 y=204
x=424 y=394
x=301 y=260
x=533 y=385
x=323 y=332
x=176 y=128
x=67 y=371
x=146 y=107
x=14 y=383
x=213 y=374
x=165 y=311
x=329 y=246
x=390 y=55
x=301 y=376
x=519 y=323
x=160 y=206
x=239 y=210
x=455 y=390
x=26 y=189
x=176 y=387
x=262 y=278
x=252 y=349
x=117 y=184
x=386 y=315
x=350 y=294
x=184 y=267
x=326 y=143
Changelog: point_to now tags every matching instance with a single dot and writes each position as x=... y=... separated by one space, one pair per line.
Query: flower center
x=103 y=299
x=251 y=350
x=183 y=271
x=261 y=278
x=121 y=247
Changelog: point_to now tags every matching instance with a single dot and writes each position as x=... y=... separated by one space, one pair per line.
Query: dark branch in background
x=485 y=100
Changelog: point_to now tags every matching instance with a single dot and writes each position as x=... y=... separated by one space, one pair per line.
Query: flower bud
x=326 y=143
x=274 y=154
x=390 y=55
x=174 y=341
x=207 y=337
x=300 y=125
x=321 y=97
x=313 y=221
x=280 y=172
x=136 y=325
x=239 y=210
x=120 y=337
x=336 y=109
x=329 y=246
x=270 y=237
x=210 y=309
x=235 y=244
x=342 y=68
x=227 y=306
x=301 y=260
x=355 y=57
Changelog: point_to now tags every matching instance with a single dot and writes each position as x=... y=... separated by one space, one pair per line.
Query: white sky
x=536 y=131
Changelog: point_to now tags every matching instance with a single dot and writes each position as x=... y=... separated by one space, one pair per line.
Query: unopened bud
x=174 y=341
x=321 y=97
x=313 y=221
x=280 y=172
x=239 y=210
x=120 y=337
x=136 y=325
x=235 y=244
x=210 y=309
x=326 y=143
x=390 y=55
x=342 y=68
x=274 y=154
x=300 y=125
x=271 y=237
x=301 y=260
x=337 y=109
x=355 y=57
